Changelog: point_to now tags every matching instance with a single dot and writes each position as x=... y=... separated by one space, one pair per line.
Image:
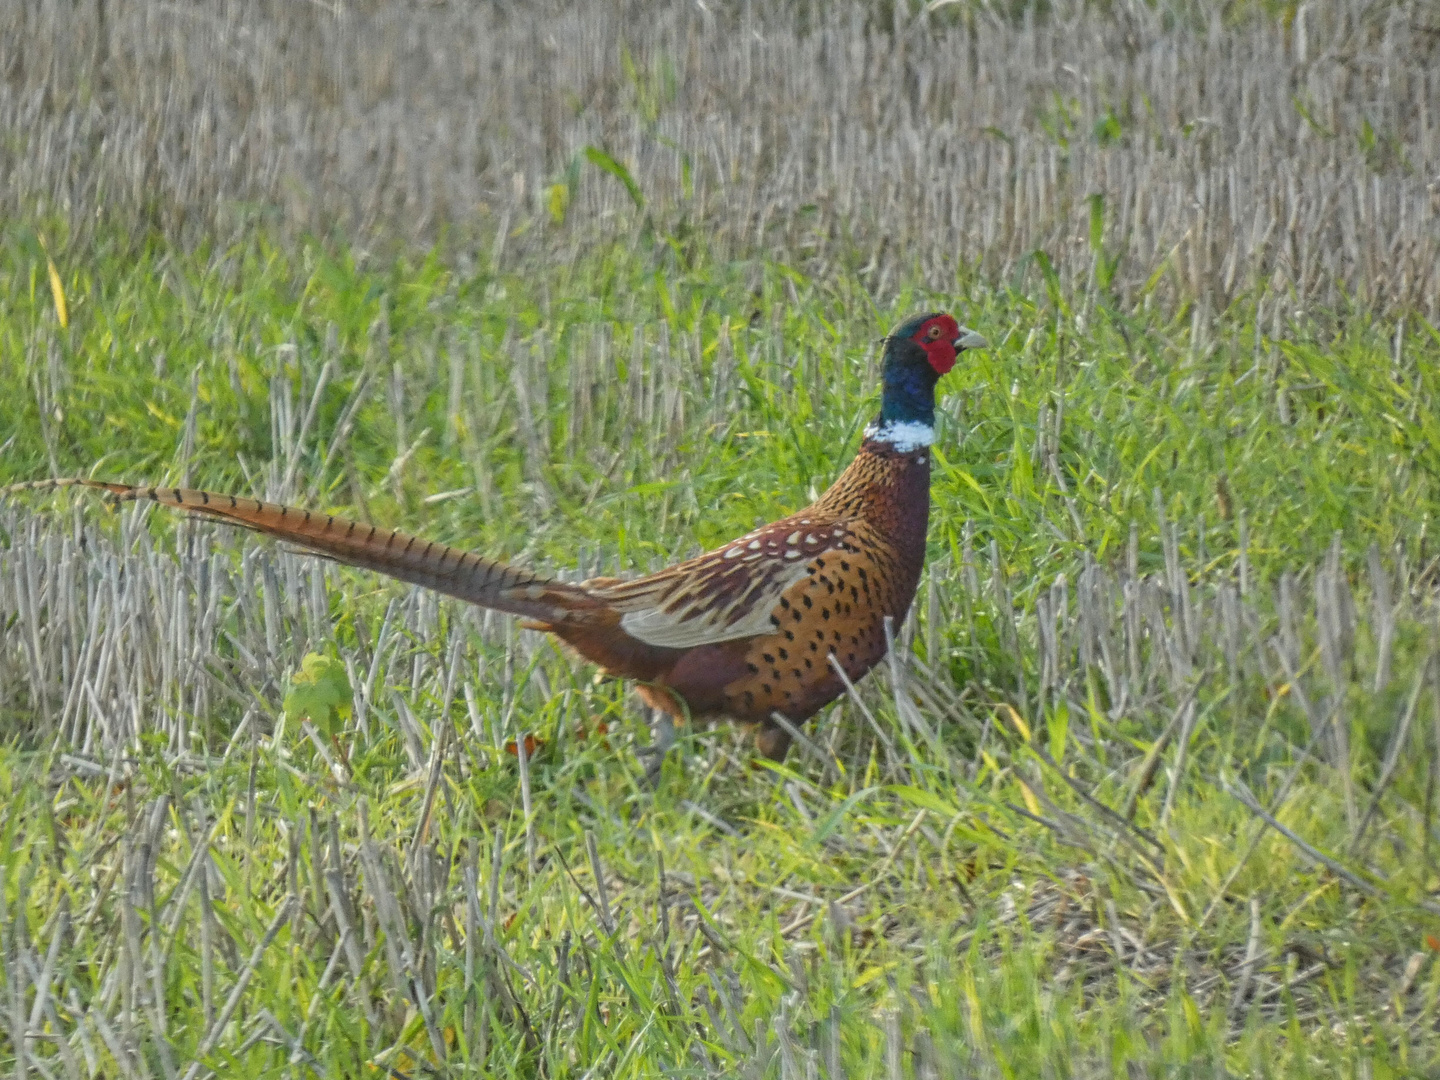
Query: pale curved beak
x=969 y=339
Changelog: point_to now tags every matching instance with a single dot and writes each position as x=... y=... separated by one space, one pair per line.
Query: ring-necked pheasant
x=745 y=631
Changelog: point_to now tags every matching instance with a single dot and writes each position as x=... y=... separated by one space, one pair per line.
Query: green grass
x=914 y=907
x=1145 y=405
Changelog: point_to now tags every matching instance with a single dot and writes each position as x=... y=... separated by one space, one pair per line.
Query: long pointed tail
x=445 y=569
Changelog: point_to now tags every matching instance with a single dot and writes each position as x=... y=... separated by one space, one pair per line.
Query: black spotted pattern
x=836 y=612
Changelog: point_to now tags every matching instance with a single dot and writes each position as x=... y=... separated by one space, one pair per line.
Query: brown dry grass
x=1231 y=147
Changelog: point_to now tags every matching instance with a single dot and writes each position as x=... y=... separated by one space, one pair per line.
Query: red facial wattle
x=937 y=337
x=941 y=355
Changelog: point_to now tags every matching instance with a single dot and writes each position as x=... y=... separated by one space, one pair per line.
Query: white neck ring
x=903 y=435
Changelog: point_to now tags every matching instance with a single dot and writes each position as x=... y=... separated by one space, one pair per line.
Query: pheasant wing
x=725 y=594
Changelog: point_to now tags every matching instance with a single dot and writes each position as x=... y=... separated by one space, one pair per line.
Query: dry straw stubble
x=1230 y=146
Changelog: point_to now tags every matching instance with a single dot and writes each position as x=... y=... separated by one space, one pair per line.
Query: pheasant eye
x=934 y=332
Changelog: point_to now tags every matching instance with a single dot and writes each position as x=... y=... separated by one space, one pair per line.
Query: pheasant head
x=919 y=351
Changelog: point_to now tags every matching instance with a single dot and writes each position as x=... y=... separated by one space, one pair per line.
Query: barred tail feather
x=448 y=570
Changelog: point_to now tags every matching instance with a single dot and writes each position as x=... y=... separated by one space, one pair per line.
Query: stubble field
x=1149 y=785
